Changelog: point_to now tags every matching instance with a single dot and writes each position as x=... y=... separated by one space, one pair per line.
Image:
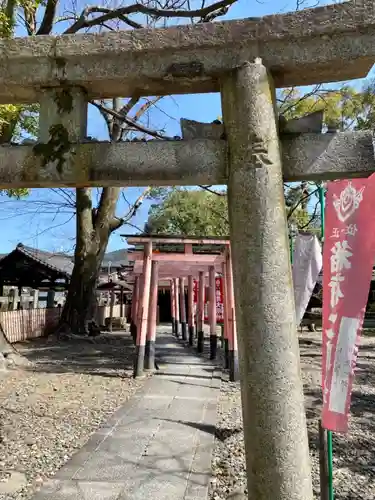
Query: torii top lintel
x=330 y=43
x=173 y=264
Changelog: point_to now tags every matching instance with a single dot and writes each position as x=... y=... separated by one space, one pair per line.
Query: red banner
x=348 y=259
x=195 y=291
x=219 y=299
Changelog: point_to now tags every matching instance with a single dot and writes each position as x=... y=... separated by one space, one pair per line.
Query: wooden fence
x=32 y=323
x=28 y=324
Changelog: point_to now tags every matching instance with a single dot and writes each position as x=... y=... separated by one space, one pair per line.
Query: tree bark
x=93 y=231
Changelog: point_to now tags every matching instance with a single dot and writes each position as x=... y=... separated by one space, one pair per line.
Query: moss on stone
x=64 y=100
x=55 y=149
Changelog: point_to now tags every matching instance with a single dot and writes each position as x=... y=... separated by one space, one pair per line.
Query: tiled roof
x=59 y=262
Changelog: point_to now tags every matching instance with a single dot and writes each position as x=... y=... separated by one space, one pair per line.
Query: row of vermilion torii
x=188 y=316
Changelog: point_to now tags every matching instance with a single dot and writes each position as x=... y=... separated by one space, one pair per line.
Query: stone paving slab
x=158 y=445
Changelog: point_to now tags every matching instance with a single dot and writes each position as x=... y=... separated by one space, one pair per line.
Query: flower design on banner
x=348 y=202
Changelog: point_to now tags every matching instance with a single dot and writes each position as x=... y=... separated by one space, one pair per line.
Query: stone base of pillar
x=191 y=335
x=177 y=328
x=173 y=327
x=234 y=372
x=150 y=355
x=184 y=330
x=139 y=361
x=200 y=342
x=133 y=331
x=213 y=346
x=226 y=354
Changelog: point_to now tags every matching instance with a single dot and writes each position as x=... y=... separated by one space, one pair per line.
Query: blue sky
x=29 y=221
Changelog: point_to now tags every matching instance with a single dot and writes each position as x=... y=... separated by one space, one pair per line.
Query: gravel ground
x=354 y=453
x=48 y=410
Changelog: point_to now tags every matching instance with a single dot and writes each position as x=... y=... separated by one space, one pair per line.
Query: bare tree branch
x=46 y=25
x=129 y=105
x=135 y=226
x=313 y=92
x=117 y=126
x=218 y=193
x=206 y=14
x=141 y=111
x=300 y=201
x=132 y=210
x=131 y=122
x=50 y=228
x=66 y=195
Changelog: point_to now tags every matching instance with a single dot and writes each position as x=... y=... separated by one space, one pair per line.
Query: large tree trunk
x=94 y=228
x=78 y=315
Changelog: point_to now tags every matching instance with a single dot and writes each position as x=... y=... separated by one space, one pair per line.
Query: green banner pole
x=291 y=248
x=322 y=208
x=330 y=465
x=329 y=433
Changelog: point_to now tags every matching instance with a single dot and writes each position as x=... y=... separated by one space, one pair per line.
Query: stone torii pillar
x=277 y=451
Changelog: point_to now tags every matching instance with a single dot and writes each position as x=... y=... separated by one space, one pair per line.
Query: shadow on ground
x=109 y=354
x=222 y=434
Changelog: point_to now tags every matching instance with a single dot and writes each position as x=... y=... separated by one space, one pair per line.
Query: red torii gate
x=181 y=269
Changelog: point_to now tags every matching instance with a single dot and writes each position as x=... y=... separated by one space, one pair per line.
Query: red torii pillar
x=212 y=312
x=177 y=308
x=191 y=309
x=232 y=339
x=226 y=316
x=144 y=305
x=152 y=314
x=173 y=308
x=200 y=313
x=134 y=309
x=183 y=308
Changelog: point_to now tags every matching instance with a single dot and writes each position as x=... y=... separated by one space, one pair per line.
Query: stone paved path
x=158 y=446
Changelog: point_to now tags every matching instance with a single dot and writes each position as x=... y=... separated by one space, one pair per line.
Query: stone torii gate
x=332 y=43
